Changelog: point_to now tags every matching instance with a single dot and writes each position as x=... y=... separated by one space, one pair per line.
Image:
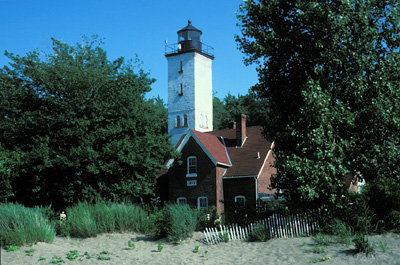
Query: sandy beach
x=276 y=251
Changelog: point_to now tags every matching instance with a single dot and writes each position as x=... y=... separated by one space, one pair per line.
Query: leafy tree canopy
x=329 y=71
x=76 y=126
x=227 y=109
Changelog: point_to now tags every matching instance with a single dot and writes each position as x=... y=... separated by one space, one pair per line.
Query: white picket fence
x=279 y=226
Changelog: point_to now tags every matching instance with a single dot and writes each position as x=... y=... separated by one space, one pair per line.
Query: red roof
x=245 y=161
x=214 y=146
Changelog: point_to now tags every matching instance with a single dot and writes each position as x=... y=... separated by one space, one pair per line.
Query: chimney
x=240 y=129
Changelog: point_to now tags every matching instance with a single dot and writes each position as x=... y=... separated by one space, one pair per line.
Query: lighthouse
x=190 y=99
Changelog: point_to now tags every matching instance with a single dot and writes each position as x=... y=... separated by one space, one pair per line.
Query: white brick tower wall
x=189 y=90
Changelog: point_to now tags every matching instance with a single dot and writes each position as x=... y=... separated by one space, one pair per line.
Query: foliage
x=383 y=199
x=260 y=233
x=12 y=248
x=321 y=239
x=160 y=247
x=362 y=244
x=176 y=222
x=208 y=218
x=225 y=111
x=329 y=71
x=20 y=226
x=224 y=236
x=88 y=220
x=81 y=126
x=342 y=232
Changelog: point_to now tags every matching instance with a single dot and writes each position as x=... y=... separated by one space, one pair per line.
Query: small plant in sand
x=196 y=249
x=321 y=239
x=57 y=260
x=73 y=254
x=131 y=244
x=224 y=237
x=362 y=244
x=102 y=257
x=42 y=258
x=205 y=252
x=319 y=260
x=29 y=252
x=160 y=247
x=382 y=246
x=315 y=250
x=12 y=248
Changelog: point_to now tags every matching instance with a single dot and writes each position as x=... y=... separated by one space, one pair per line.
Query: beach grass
x=20 y=225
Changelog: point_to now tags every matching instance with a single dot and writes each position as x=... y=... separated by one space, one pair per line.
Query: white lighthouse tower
x=189 y=84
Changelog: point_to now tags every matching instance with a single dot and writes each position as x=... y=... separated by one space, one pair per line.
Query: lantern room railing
x=200 y=47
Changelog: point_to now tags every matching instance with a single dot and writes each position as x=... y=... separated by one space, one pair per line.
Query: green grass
x=20 y=225
x=88 y=220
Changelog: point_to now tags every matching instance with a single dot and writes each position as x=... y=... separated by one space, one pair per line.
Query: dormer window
x=191 y=166
x=180 y=92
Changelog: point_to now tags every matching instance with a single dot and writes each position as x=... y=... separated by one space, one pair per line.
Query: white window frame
x=192 y=182
x=181 y=200
x=239 y=198
x=199 y=203
x=191 y=175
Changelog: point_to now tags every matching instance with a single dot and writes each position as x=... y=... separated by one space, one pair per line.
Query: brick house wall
x=264 y=179
x=239 y=186
x=206 y=177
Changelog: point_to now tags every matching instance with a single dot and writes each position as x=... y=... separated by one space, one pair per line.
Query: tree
x=81 y=125
x=226 y=110
x=329 y=71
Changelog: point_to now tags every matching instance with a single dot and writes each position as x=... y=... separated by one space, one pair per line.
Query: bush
x=176 y=222
x=260 y=233
x=20 y=225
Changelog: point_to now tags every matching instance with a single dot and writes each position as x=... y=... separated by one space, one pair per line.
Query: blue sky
x=131 y=27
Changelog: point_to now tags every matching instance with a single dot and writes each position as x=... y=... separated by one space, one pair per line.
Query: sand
x=276 y=251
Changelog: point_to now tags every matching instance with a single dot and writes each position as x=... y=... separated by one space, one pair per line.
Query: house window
x=202 y=203
x=202 y=121
x=181 y=200
x=180 y=92
x=240 y=200
x=191 y=166
x=192 y=182
x=185 y=122
x=206 y=121
x=178 y=121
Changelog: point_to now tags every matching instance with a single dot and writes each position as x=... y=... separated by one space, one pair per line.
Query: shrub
x=20 y=225
x=260 y=233
x=176 y=222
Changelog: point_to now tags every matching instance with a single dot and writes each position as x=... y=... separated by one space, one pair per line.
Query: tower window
x=206 y=121
x=180 y=92
x=185 y=121
x=178 y=121
x=191 y=166
x=181 y=68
